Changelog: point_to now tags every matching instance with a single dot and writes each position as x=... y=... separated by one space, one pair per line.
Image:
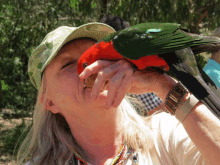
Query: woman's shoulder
x=170 y=138
x=167 y=127
x=163 y=119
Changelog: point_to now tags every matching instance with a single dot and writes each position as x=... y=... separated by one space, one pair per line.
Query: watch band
x=175 y=97
x=186 y=108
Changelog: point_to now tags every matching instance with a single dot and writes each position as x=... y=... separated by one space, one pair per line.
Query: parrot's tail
x=213 y=47
x=212 y=100
x=205 y=43
x=207 y=93
x=196 y=80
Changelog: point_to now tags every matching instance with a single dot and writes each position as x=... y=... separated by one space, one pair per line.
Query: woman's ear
x=44 y=100
x=49 y=105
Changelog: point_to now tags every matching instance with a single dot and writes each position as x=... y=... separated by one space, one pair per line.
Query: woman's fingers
x=113 y=85
x=106 y=74
x=118 y=75
x=94 y=68
x=103 y=76
x=119 y=85
x=122 y=89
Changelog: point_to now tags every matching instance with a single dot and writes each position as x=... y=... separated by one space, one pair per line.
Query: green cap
x=54 y=41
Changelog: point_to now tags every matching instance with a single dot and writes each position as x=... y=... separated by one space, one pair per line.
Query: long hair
x=50 y=140
x=137 y=132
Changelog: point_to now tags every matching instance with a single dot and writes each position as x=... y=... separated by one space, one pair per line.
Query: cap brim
x=93 y=30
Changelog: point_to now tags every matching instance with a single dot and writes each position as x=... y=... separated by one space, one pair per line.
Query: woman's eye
x=67 y=64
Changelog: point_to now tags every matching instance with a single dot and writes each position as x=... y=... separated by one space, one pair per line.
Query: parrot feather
x=166 y=46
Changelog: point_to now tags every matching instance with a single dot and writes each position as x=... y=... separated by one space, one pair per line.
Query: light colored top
x=172 y=145
x=212 y=69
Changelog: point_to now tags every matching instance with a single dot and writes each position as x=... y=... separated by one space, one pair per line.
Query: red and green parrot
x=165 y=46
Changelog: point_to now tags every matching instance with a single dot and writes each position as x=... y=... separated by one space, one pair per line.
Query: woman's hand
x=121 y=78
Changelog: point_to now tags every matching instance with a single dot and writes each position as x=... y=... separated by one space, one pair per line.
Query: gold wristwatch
x=175 y=97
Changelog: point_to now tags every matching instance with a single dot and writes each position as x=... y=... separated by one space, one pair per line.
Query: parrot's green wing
x=177 y=47
x=154 y=38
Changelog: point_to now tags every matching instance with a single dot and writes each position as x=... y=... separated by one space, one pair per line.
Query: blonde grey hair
x=50 y=140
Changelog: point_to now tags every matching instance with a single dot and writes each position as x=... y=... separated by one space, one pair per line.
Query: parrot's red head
x=86 y=59
x=101 y=50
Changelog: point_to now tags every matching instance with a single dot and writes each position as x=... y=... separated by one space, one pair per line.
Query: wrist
x=176 y=96
x=188 y=104
x=165 y=85
x=180 y=102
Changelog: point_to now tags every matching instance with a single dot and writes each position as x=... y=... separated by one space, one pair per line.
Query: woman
x=76 y=125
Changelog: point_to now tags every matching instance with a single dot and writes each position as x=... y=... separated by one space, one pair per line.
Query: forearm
x=204 y=130
x=202 y=126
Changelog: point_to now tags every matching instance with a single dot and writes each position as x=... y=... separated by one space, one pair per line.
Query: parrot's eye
x=85 y=65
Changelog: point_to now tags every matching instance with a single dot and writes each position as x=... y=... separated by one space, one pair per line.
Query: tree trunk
x=103 y=8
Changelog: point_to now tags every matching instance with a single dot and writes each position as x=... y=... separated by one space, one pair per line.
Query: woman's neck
x=100 y=138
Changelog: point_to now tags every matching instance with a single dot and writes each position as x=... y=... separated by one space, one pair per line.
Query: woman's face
x=66 y=93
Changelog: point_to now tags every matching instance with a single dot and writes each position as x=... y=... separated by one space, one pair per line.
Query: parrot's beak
x=90 y=81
